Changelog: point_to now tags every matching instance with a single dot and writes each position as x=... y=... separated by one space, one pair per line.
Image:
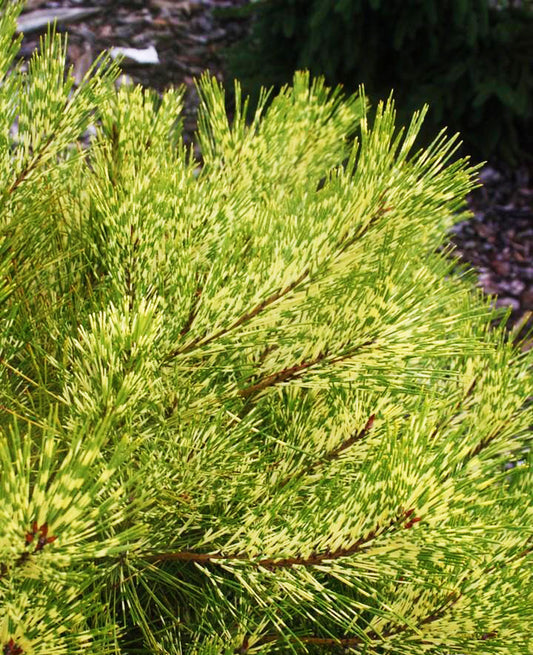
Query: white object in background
x=139 y=55
x=39 y=18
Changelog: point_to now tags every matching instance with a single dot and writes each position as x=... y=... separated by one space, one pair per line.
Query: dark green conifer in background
x=470 y=60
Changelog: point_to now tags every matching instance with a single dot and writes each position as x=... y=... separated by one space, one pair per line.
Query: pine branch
x=36 y=535
x=347 y=642
x=130 y=269
x=382 y=209
x=32 y=165
x=194 y=309
x=483 y=444
x=294 y=372
x=272 y=563
x=342 y=246
x=454 y=412
x=330 y=456
x=92 y=451
x=378 y=638
x=199 y=343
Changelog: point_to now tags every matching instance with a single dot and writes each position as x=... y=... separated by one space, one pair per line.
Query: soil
x=498 y=240
x=188 y=37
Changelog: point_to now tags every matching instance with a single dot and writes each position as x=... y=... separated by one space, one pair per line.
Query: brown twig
x=289 y=373
x=276 y=563
x=332 y=455
x=343 y=245
x=293 y=372
x=454 y=411
x=198 y=342
x=194 y=309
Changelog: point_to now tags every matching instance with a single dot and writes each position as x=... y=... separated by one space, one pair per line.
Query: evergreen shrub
x=251 y=407
x=470 y=60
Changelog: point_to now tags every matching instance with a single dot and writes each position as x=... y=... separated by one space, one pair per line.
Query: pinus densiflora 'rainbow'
x=251 y=408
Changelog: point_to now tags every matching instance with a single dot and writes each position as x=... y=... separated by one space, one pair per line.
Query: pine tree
x=251 y=406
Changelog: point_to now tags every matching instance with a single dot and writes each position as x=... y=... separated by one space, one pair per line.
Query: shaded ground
x=498 y=240
x=185 y=37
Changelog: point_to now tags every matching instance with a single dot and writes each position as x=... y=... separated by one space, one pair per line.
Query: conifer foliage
x=252 y=406
x=470 y=60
